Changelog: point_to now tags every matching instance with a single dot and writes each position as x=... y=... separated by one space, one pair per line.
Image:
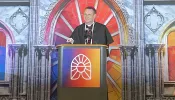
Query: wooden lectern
x=82 y=72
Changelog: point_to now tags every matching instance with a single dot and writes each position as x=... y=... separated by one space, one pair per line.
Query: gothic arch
x=6 y=30
x=169 y=28
x=8 y=39
x=118 y=17
x=56 y=11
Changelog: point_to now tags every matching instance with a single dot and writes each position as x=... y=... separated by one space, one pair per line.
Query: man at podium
x=90 y=32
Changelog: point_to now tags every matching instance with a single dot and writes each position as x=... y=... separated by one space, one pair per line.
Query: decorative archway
x=2 y=55
x=6 y=38
x=171 y=55
x=66 y=15
x=167 y=37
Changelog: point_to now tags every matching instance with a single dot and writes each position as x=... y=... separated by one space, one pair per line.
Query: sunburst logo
x=80 y=67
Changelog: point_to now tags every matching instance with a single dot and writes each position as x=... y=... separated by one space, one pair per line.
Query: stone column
x=155 y=60
x=42 y=72
x=139 y=36
x=18 y=69
x=162 y=64
x=129 y=71
x=148 y=71
x=33 y=40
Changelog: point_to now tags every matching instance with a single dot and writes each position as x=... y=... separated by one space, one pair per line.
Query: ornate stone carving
x=154 y=71
x=154 y=19
x=19 y=21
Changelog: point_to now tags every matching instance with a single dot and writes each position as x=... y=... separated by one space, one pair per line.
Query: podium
x=82 y=72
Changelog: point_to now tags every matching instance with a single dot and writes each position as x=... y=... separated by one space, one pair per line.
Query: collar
x=90 y=24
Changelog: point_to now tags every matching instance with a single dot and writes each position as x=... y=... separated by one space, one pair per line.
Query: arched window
x=2 y=55
x=168 y=38
x=171 y=55
x=6 y=37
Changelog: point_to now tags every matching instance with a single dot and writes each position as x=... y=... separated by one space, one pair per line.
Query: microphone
x=87 y=37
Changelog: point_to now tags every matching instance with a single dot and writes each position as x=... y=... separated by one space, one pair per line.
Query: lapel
x=82 y=29
x=95 y=29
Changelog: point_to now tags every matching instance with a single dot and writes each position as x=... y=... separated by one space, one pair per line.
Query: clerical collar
x=90 y=24
x=86 y=26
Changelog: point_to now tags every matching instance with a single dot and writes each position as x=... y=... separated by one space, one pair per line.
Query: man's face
x=89 y=15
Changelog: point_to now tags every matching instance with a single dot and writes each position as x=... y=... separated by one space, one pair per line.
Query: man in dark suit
x=90 y=32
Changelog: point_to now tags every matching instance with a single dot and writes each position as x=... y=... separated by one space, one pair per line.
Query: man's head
x=89 y=15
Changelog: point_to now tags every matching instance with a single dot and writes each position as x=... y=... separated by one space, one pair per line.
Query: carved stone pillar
x=18 y=71
x=140 y=41
x=130 y=72
x=154 y=76
x=162 y=64
x=33 y=40
x=42 y=73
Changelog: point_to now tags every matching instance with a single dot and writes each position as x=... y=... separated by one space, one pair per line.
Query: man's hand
x=70 y=40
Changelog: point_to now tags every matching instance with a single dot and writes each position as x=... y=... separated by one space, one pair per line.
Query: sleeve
x=109 y=38
x=75 y=36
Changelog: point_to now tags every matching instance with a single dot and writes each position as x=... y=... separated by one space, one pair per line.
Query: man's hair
x=90 y=7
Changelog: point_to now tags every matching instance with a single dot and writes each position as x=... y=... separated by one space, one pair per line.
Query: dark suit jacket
x=100 y=35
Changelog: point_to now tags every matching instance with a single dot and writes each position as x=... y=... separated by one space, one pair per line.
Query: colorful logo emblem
x=80 y=67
